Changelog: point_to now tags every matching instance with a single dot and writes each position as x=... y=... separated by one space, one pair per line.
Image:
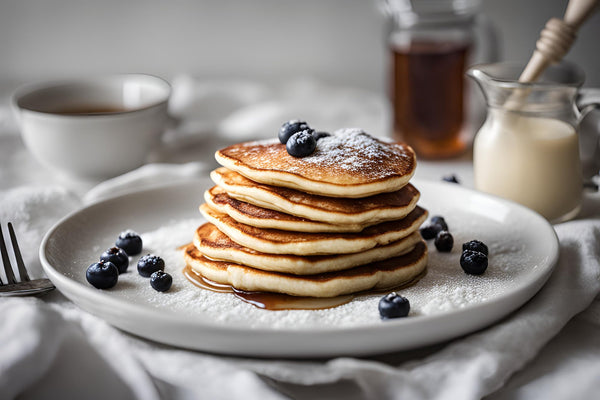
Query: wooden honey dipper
x=556 y=38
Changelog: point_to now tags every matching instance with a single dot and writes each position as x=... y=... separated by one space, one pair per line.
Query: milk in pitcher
x=531 y=160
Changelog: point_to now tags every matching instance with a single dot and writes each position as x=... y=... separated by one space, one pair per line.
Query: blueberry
x=473 y=262
x=301 y=144
x=438 y=219
x=161 y=281
x=320 y=135
x=130 y=242
x=102 y=275
x=451 y=178
x=149 y=264
x=392 y=305
x=430 y=231
x=476 y=245
x=116 y=256
x=444 y=241
x=291 y=127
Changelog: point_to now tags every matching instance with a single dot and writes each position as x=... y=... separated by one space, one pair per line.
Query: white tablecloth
x=550 y=348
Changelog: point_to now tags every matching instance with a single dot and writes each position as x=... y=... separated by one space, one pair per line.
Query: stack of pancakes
x=341 y=220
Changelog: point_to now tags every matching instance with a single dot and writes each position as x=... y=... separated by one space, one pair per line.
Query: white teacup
x=93 y=127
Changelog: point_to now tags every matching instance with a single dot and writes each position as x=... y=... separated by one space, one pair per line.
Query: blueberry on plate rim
x=161 y=281
x=130 y=242
x=301 y=144
x=149 y=264
x=450 y=178
x=116 y=256
x=444 y=241
x=392 y=305
x=473 y=262
x=102 y=275
x=289 y=128
x=476 y=245
x=430 y=231
x=438 y=219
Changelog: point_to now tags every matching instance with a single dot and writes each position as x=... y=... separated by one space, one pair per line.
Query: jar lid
x=437 y=9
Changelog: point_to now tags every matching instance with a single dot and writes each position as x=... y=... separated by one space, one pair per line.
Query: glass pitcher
x=528 y=149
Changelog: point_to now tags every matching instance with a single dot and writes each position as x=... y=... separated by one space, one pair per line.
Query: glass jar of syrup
x=431 y=45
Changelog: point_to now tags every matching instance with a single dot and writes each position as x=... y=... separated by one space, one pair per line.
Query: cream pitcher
x=528 y=149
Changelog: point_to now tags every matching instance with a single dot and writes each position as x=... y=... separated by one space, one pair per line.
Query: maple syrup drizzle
x=279 y=301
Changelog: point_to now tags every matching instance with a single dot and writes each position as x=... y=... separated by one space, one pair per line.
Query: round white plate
x=445 y=304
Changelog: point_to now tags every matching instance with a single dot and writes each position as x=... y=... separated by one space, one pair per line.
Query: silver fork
x=26 y=286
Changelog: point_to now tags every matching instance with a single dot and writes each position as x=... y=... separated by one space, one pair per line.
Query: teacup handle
x=588 y=103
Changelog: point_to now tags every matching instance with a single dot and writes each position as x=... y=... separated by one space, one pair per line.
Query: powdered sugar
x=127 y=233
x=353 y=150
x=349 y=152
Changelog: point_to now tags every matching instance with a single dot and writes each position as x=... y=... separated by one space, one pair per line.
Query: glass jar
x=528 y=149
x=431 y=44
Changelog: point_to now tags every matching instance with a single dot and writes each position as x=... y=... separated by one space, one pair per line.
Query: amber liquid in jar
x=428 y=97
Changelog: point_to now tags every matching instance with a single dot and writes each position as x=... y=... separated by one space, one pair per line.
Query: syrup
x=279 y=301
x=428 y=97
x=267 y=300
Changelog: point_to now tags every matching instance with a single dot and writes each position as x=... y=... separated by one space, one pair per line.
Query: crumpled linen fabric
x=50 y=347
x=44 y=336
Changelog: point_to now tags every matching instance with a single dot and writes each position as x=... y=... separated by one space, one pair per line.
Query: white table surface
x=575 y=347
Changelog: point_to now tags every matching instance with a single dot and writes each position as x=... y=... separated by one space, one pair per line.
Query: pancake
x=387 y=274
x=349 y=163
x=332 y=210
x=215 y=245
x=259 y=217
x=275 y=241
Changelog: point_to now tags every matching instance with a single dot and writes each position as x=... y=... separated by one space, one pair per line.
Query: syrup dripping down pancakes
x=339 y=221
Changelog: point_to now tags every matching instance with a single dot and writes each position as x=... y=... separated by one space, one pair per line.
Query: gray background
x=339 y=41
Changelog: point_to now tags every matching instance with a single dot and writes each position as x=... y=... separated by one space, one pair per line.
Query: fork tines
x=8 y=269
x=25 y=286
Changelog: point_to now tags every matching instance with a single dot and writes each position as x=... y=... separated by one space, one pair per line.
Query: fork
x=26 y=286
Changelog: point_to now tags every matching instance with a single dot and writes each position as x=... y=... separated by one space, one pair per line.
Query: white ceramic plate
x=445 y=304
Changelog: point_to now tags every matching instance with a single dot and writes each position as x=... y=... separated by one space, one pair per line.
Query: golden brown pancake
x=332 y=210
x=215 y=245
x=275 y=241
x=260 y=217
x=349 y=163
x=387 y=274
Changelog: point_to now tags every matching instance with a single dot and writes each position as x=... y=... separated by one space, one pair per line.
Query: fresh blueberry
x=476 y=245
x=392 y=305
x=444 y=241
x=473 y=262
x=102 y=275
x=320 y=135
x=450 y=178
x=130 y=242
x=149 y=264
x=291 y=127
x=116 y=256
x=301 y=144
x=161 y=281
x=438 y=219
x=430 y=231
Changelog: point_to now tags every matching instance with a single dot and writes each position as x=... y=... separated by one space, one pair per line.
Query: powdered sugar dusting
x=354 y=151
x=348 y=155
x=128 y=232
x=444 y=288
